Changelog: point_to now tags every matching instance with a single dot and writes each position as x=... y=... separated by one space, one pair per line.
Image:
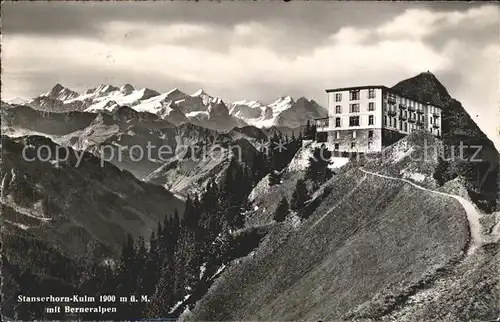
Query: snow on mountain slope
x=246 y=109
x=62 y=93
x=164 y=106
x=178 y=107
x=285 y=111
x=133 y=98
x=16 y=100
x=207 y=99
x=299 y=113
x=157 y=102
x=282 y=104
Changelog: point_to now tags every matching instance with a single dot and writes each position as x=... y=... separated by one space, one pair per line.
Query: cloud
x=419 y=23
x=145 y=34
x=347 y=35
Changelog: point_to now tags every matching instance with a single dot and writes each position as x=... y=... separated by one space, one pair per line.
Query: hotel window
x=370 y=119
x=353 y=145
x=353 y=134
x=338 y=109
x=354 y=95
x=338 y=97
x=336 y=146
x=370 y=134
x=370 y=145
x=337 y=122
x=371 y=93
x=337 y=135
x=406 y=127
x=354 y=121
x=354 y=108
x=371 y=106
x=385 y=120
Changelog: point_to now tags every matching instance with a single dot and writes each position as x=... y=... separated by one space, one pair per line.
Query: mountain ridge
x=178 y=107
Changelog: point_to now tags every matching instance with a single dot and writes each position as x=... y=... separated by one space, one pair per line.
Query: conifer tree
x=162 y=299
x=313 y=131
x=258 y=170
x=307 y=131
x=152 y=266
x=127 y=277
x=318 y=170
x=282 y=210
x=299 y=196
x=126 y=268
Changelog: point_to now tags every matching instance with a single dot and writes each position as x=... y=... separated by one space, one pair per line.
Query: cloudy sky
x=254 y=50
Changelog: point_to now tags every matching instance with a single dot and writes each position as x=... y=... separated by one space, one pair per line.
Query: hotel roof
x=340 y=89
x=356 y=88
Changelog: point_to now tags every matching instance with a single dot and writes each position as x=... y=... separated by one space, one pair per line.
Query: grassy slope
x=470 y=291
x=363 y=238
x=265 y=198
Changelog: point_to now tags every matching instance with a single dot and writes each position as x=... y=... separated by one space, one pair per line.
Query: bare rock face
x=460 y=129
x=424 y=87
x=127 y=89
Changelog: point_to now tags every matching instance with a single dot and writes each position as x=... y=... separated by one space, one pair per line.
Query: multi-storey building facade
x=368 y=118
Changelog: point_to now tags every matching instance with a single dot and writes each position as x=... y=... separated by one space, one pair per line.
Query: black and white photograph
x=250 y=161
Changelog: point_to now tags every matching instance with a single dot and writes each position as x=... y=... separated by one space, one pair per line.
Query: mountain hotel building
x=369 y=118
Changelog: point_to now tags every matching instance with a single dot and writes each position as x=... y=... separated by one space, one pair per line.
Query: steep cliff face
x=479 y=163
x=425 y=87
x=457 y=123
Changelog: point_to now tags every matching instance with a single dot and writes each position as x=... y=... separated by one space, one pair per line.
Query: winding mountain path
x=473 y=215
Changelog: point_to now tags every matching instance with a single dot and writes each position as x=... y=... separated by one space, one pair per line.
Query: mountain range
x=178 y=107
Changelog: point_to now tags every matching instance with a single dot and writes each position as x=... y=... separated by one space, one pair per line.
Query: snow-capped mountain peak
x=106 y=89
x=178 y=107
x=56 y=89
x=251 y=104
x=127 y=89
x=283 y=102
x=200 y=93
x=60 y=92
x=147 y=93
x=174 y=91
x=284 y=111
x=175 y=94
x=206 y=98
